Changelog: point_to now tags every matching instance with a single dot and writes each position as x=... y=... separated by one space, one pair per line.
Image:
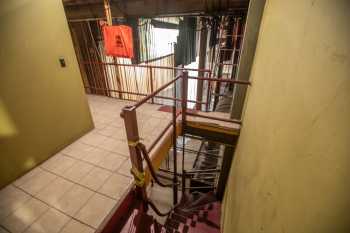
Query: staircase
x=196 y=213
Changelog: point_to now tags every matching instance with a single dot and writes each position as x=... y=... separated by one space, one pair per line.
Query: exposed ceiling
x=84 y=9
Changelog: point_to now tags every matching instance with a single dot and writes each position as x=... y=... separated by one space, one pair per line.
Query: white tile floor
x=74 y=190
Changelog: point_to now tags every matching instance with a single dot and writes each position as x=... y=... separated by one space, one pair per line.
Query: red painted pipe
x=154 y=143
x=145 y=99
x=148 y=66
x=142 y=94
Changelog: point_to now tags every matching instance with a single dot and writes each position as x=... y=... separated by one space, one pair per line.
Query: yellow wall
x=246 y=58
x=42 y=106
x=292 y=163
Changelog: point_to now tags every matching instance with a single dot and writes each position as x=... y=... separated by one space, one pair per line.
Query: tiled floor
x=75 y=189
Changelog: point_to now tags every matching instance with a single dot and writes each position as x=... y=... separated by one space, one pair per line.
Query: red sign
x=118 y=41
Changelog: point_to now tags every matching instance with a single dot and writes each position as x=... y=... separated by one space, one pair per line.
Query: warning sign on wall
x=118 y=41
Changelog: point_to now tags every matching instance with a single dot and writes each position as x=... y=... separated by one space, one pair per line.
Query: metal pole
x=183 y=180
x=175 y=198
x=153 y=66
x=208 y=93
x=184 y=112
x=184 y=99
x=145 y=99
x=218 y=84
x=220 y=68
x=151 y=83
x=235 y=58
x=201 y=63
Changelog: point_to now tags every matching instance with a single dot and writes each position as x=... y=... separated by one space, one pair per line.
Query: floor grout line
x=64 y=225
x=106 y=149
x=85 y=143
x=1 y=225
x=94 y=192
x=53 y=207
x=37 y=218
x=74 y=182
x=81 y=160
x=32 y=196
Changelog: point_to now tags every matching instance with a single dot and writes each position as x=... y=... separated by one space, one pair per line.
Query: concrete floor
x=75 y=189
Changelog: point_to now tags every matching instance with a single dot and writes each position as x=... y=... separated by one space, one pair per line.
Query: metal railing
x=132 y=130
x=125 y=93
x=151 y=70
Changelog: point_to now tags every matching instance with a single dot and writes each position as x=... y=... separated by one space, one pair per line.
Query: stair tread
x=198 y=213
x=202 y=216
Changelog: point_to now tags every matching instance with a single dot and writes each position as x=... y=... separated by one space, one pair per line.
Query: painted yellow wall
x=246 y=59
x=42 y=106
x=292 y=164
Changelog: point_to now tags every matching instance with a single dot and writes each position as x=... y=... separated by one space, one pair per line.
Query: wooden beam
x=131 y=8
x=161 y=150
x=108 y=12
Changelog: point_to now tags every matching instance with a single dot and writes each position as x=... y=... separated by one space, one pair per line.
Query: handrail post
x=151 y=82
x=201 y=63
x=183 y=114
x=208 y=93
x=184 y=174
x=175 y=198
x=132 y=135
x=218 y=84
x=184 y=98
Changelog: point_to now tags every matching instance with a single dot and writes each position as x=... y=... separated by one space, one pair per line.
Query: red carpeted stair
x=196 y=213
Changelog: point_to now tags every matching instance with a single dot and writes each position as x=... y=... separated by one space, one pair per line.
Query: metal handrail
x=149 y=66
x=149 y=164
x=150 y=96
x=138 y=150
x=141 y=94
x=154 y=95
x=150 y=148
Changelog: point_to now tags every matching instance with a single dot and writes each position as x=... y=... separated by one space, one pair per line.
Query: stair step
x=206 y=219
x=202 y=216
x=203 y=199
x=144 y=223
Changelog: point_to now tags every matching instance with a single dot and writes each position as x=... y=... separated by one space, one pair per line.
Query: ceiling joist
x=87 y=9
